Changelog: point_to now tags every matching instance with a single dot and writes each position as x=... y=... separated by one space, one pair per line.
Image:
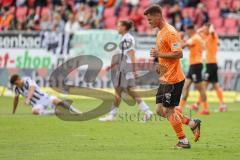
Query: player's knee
x=160 y=113
x=36 y=111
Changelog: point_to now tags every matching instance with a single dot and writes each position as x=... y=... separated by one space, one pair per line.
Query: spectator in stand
x=72 y=24
x=5 y=19
x=225 y=10
x=40 y=3
x=186 y=21
x=21 y=25
x=131 y=4
x=32 y=20
x=63 y=10
x=21 y=3
x=201 y=16
x=174 y=11
x=193 y=3
x=135 y=16
x=45 y=23
x=82 y=13
x=178 y=23
x=58 y=23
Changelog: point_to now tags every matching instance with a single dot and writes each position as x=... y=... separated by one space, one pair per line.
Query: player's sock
x=73 y=109
x=198 y=101
x=182 y=103
x=47 y=112
x=219 y=95
x=185 y=120
x=205 y=105
x=114 y=111
x=143 y=106
x=176 y=124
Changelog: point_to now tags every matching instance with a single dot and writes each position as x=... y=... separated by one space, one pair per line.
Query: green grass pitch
x=27 y=137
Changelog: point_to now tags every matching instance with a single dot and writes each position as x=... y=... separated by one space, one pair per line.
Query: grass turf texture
x=27 y=137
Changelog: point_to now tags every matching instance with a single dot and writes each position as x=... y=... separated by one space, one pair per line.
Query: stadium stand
x=30 y=15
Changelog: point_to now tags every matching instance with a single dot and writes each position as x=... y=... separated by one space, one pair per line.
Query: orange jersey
x=168 y=41
x=211 y=44
x=196 y=46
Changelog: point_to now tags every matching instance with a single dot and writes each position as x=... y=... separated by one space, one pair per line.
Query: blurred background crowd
x=75 y=15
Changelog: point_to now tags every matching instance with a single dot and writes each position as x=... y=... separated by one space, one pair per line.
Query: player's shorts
x=124 y=80
x=45 y=102
x=195 y=73
x=169 y=94
x=211 y=74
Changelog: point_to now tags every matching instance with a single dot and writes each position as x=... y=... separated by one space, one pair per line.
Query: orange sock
x=176 y=124
x=185 y=120
x=220 y=95
x=182 y=103
x=205 y=105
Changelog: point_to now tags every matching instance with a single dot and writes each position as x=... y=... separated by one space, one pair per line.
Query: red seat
x=214 y=13
x=221 y=31
x=110 y=22
x=45 y=10
x=229 y=22
x=144 y=3
x=212 y=4
x=232 y=31
x=21 y=12
x=217 y=22
x=108 y=12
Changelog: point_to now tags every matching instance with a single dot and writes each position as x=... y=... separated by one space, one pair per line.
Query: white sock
x=73 y=109
x=143 y=106
x=114 y=111
x=184 y=140
x=191 y=123
x=47 y=112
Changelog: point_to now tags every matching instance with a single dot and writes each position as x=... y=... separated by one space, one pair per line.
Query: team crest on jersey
x=168 y=97
x=175 y=45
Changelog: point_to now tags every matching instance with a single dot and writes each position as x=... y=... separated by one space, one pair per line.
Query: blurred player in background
x=124 y=81
x=169 y=51
x=196 y=46
x=42 y=103
x=211 y=75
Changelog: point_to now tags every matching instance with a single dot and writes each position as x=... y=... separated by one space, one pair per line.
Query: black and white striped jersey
x=27 y=82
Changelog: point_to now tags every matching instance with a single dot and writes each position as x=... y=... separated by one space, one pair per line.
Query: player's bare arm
x=172 y=55
x=132 y=57
x=15 y=104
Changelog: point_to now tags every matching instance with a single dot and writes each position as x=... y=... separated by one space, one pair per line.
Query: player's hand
x=27 y=102
x=154 y=52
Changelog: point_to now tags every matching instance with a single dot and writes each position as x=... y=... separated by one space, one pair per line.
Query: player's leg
x=111 y=116
x=201 y=89
x=142 y=105
x=185 y=93
x=56 y=101
x=218 y=89
x=39 y=109
x=176 y=124
x=199 y=101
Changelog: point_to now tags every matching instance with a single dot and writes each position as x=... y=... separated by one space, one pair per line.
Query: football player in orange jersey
x=168 y=52
x=196 y=47
x=211 y=75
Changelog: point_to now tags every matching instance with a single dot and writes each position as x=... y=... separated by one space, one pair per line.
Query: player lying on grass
x=124 y=80
x=42 y=103
x=168 y=51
